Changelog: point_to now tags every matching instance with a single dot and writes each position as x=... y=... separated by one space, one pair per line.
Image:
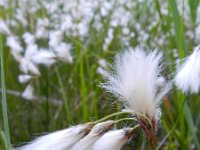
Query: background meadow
x=65 y=91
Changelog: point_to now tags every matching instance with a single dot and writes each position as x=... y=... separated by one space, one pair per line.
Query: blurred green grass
x=77 y=88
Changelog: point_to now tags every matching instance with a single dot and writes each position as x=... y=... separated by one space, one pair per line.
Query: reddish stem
x=150 y=130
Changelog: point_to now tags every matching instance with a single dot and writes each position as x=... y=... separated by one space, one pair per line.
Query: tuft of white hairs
x=60 y=140
x=113 y=140
x=188 y=78
x=97 y=131
x=137 y=80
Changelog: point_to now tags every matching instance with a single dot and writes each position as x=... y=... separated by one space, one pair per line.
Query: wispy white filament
x=60 y=140
x=113 y=140
x=98 y=130
x=137 y=80
x=188 y=78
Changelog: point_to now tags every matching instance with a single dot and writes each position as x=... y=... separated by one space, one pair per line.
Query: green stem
x=125 y=119
x=123 y=113
x=66 y=107
x=137 y=126
x=4 y=101
x=110 y=116
x=174 y=127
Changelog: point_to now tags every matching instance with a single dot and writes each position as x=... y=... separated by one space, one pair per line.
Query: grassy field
x=69 y=93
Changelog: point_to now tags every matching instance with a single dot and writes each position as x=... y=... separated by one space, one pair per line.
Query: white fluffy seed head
x=113 y=140
x=97 y=131
x=60 y=140
x=137 y=80
x=188 y=78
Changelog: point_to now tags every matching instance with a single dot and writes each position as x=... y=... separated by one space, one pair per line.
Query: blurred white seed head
x=62 y=51
x=137 y=80
x=60 y=140
x=113 y=140
x=24 y=78
x=14 y=44
x=44 y=57
x=55 y=38
x=97 y=131
x=28 y=93
x=29 y=39
x=27 y=66
x=3 y=27
x=188 y=78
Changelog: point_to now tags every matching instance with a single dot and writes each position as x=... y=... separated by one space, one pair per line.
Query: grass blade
x=4 y=102
x=188 y=117
x=66 y=104
x=2 y=141
x=193 y=4
x=179 y=27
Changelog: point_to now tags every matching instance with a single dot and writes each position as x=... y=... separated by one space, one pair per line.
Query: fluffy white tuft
x=137 y=80
x=60 y=140
x=113 y=140
x=88 y=141
x=188 y=78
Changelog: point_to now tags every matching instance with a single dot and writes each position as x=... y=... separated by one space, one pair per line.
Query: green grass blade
x=66 y=104
x=179 y=27
x=2 y=141
x=193 y=4
x=83 y=91
x=4 y=102
x=188 y=116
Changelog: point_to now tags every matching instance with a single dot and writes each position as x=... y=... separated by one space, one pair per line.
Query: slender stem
x=145 y=117
x=66 y=105
x=137 y=126
x=2 y=140
x=110 y=116
x=125 y=119
x=123 y=113
x=174 y=127
x=4 y=101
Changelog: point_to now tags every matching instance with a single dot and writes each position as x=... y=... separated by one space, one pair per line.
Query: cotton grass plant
x=57 y=52
x=138 y=83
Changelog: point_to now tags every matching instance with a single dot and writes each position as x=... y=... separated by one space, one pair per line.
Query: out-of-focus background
x=57 y=52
